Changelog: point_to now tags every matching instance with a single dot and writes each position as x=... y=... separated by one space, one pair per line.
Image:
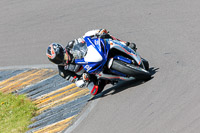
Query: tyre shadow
x=123 y=85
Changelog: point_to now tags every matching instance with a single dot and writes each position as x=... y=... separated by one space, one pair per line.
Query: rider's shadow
x=121 y=86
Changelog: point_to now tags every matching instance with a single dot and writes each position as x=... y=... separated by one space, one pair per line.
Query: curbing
x=59 y=102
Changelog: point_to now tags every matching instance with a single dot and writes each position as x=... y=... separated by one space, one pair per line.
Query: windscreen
x=79 y=50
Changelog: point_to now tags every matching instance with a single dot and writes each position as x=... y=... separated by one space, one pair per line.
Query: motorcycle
x=110 y=60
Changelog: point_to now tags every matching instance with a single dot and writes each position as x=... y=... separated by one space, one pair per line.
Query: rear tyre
x=130 y=70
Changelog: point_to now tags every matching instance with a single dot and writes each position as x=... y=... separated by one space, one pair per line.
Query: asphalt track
x=166 y=33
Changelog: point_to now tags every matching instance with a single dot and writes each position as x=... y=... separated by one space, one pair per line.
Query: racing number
x=87 y=67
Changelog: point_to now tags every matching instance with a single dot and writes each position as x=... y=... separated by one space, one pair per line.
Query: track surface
x=166 y=33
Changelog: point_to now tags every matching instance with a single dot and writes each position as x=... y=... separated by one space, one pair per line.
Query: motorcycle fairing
x=96 y=56
x=122 y=59
x=118 y=45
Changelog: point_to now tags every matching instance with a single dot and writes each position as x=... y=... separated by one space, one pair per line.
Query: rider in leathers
x=65 y=59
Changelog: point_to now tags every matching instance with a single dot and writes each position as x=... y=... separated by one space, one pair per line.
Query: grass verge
x=16 y=112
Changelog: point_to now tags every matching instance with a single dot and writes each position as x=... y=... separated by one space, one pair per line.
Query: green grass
x=16 y=112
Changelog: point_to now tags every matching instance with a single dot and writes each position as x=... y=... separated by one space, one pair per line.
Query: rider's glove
x=103 y=31
x=84 y=80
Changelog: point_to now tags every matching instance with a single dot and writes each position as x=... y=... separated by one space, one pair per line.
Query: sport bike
x=110 y=60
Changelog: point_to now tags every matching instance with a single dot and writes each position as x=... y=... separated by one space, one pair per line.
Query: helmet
x=55 y=53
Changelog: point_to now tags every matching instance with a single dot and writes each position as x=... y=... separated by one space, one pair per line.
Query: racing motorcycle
x=110 y=60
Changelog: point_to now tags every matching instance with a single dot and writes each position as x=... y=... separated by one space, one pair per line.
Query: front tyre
x=130 y=70
x=146 y=64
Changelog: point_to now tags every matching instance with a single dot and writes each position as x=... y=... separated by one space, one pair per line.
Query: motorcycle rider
x=65 y=59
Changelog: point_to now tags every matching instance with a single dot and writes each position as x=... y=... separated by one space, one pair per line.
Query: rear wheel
x=130 y=70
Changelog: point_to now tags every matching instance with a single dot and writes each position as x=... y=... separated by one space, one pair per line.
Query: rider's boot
x=96 y=88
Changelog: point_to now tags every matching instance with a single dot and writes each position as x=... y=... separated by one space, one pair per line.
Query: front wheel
x=146 y=64
x=130 y=70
